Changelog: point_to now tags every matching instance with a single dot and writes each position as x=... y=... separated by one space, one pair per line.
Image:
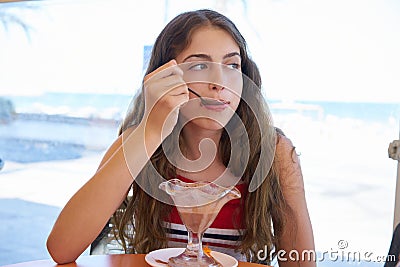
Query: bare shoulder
x=288 y=163
x=285 y=152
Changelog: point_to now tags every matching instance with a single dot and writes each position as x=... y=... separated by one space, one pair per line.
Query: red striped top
x=224 y=232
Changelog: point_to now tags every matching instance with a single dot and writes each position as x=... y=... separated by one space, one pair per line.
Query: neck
x=199 y=142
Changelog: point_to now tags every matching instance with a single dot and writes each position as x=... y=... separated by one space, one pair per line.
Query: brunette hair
x=139 y=221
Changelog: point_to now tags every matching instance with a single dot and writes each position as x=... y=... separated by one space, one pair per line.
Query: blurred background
x=69 y=68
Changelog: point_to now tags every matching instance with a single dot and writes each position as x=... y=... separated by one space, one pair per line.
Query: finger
x=175 y=97
x=165 y=70
x=171 y=85
x=179 y=90
x=172 y=82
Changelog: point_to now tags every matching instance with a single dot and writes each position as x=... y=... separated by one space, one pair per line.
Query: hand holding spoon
x=207 y=102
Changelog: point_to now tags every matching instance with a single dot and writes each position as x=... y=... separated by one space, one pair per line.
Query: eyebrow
x=208 y=57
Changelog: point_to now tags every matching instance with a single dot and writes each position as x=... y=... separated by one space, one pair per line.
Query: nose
x=217 y=79
x=216 y=87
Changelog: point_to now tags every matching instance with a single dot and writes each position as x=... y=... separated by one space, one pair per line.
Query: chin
x=207 y=124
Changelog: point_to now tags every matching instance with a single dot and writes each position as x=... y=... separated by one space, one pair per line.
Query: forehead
x=210 y=40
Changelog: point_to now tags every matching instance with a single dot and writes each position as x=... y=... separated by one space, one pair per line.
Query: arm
x=86 y=213
x=291 y=179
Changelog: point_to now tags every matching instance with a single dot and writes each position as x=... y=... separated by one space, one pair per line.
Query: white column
x=397 y=196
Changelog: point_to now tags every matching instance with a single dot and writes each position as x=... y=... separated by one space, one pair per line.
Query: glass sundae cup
x=198 y=204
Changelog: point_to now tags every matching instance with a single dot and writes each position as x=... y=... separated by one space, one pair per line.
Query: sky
x=318 y=50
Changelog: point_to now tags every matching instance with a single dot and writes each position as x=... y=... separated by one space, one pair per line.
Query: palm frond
x=11 y=13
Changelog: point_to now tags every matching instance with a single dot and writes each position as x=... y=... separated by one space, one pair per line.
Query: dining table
x=116 y=260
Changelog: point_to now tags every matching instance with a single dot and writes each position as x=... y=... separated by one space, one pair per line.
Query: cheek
x=235 y=88
x=235 y=102
x=234 y=95
x=235 y=84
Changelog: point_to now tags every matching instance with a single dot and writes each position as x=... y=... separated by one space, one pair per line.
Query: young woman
x=271 y=218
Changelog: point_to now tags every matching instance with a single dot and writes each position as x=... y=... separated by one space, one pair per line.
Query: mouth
x=218 y=105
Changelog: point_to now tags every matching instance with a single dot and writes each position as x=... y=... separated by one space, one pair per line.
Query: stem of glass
x=195 y=244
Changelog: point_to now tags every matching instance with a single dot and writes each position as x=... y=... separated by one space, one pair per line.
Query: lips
x=218 y=107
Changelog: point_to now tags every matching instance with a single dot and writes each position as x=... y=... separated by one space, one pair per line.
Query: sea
x=114 y=106
x=66 y=124
x=57 y=140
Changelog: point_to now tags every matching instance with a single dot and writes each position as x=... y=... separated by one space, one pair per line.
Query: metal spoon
x=207 y=102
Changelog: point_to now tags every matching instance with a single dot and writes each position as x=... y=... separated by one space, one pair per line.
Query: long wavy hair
x=138 y=224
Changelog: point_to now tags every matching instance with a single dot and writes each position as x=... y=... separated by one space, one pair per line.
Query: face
x=212 y=67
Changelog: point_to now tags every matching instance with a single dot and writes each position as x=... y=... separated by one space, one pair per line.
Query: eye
x=199 y=66
x=234 y=66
